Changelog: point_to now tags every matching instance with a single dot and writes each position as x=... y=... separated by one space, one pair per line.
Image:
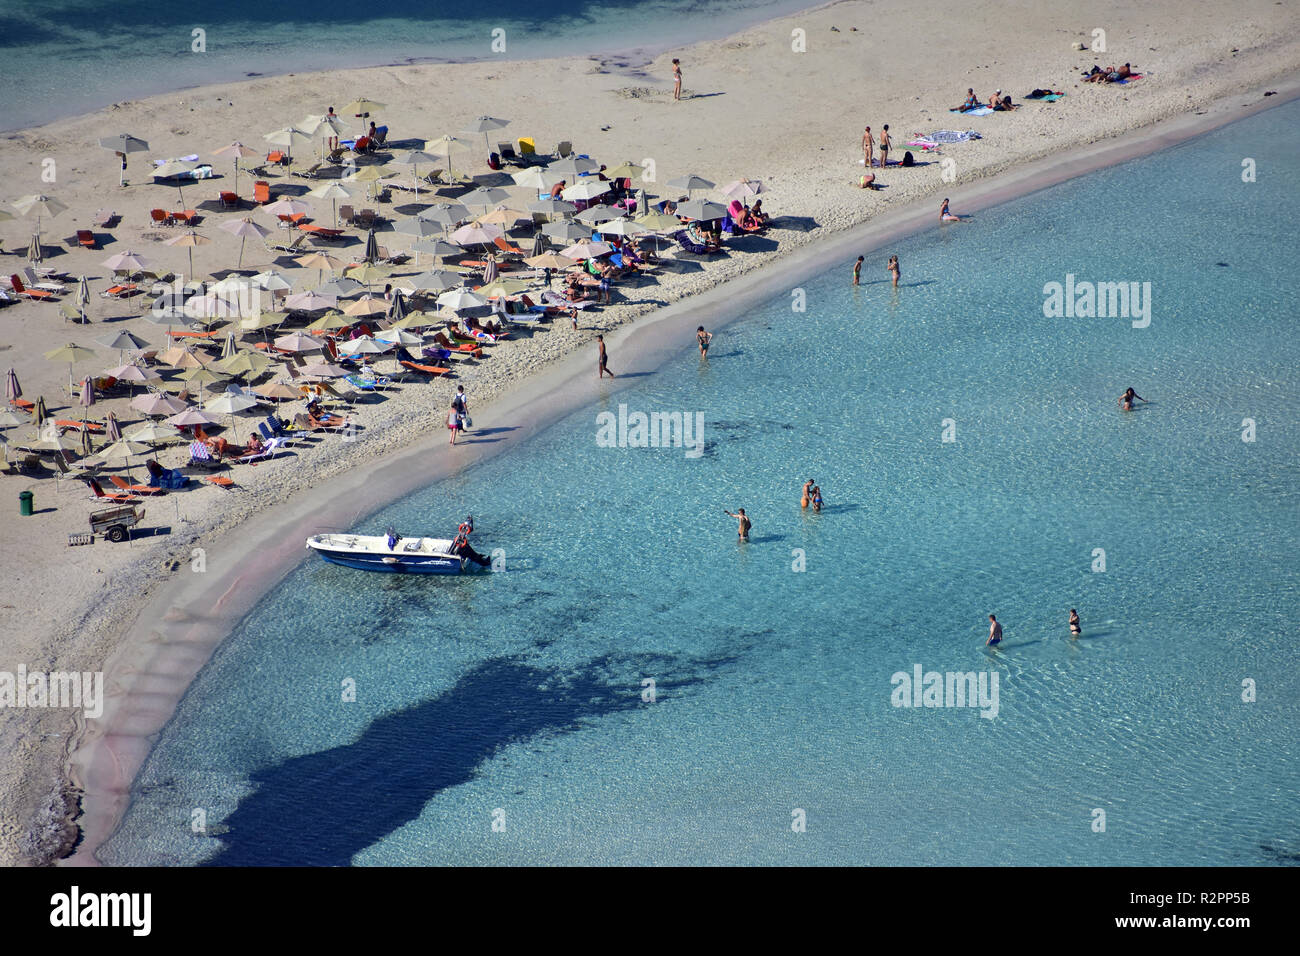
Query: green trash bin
x=25 y=503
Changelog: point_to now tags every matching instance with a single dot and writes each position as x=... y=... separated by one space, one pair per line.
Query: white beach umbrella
x=238 y=151
x=244 y=228
x=128 y=262
x=690 y=182
x=41 y=205
x=446 y=146
x=399 y=337
x=289 y=137
x=598 y=214
x=537 y=177
x=742 y=189
x=272 y=281
x=334 y=192
x=158 y=404
x=364 y=345
x=472 y=235
x=299 y=342
x=571 y=167
x=587 y=189
x=622 y=227
x=459 y=299
x=586 y=249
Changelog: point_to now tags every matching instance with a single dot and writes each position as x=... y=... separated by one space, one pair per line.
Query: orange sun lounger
x=121 y=484
x=434 y=370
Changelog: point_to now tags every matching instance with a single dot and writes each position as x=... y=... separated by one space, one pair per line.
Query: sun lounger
x=100 y=493
x=294 y=245
x=221 y=481
x=86 y=239
x=121 y=291
x=17 y=285
x=120 y=483
x=505 y=245
x=229 y=200
x=320 y=232
x=160 y=217
x=277 y=157
x=463 y=349
x=187 y=216
x=34 y=281
x=269 y=450
x=435 y=371
x=294 y=219
x=261 y=192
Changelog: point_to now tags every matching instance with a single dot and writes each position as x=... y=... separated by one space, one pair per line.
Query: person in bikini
x=1126 y=400
x=868 y=148
x=946 y=216
x=1075 y=628
x=894 y=270
x=816 y=499
x=704 y=338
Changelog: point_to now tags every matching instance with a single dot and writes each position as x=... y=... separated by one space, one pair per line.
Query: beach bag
x=494 y=161
x=907 y=159
x=466 y=421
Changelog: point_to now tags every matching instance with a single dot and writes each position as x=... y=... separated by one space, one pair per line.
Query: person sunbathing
x=1098 y=75
x=972 y=101
x=999 y=102
x=255 y=446
x=757 y=213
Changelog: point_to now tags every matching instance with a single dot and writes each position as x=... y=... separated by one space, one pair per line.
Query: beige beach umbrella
x=361 y=106
x=127 y=262
x=193 y=416
x=415 y=320
x=232 y=405
x=53 y=441
x=289 y=137
x=551 y=260
x=276 y=390
x=310 y=301
x=158 y=404
x=262 y=321
x=35 y=254
x=287 y=206
x=121 y=451
x=202 y=377
x=132 y=373
x=333 y=192
x=246 y=362
x=180 y=357
x=370 y=175
x=237 y=151
x=40 y=205
x=472 y=235
x=366 y=305
x=320 y=261
x=154 y=433
x=502 y=287
x=172 y=169
x=446 y=146
x=536 y=177
x=189 y=240
x=243 y=228
x=368 y=273
x=72 y=354
x=659 y=222
x=625 y=170
x=299 y=342
x=504 y=217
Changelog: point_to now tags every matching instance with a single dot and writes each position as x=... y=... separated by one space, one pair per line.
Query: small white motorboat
x=395 y=554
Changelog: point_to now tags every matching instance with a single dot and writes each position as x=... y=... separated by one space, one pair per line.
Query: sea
x=67 y=57
x=633 y=685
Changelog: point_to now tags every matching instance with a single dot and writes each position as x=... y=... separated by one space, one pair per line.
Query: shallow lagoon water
x=517 y=697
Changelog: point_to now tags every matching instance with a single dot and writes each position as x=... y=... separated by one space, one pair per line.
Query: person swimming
x=806 y=499
x=1126 y=400
x=995 y=631
x=1075 y=628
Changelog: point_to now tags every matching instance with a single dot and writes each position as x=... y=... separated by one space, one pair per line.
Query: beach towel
x=944 y=137
x=1135 y=76
x=982 y=111
x=191 y=158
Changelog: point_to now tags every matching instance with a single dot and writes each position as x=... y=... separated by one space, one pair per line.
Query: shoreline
x=160 y=652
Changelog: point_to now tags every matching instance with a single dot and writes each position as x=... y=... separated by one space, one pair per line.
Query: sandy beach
x=752 y=107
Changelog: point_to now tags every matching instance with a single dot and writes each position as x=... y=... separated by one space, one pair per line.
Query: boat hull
x=397 y=565
x=373 y=553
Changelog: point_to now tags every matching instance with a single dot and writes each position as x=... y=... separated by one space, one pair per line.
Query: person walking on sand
x=1075 y=627
x=704 y=338
x=894 y=270
x=453 y=422
x=805 y=500
x=885 y=146
x=742 y=521
x=857 y=270
x=604 y=359
x=460 y=402
x=677 y=79
x=868 y=148
x=995 y=631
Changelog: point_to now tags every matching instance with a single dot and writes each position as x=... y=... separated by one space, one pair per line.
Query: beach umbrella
x=112 y=431
x=189 y=240
x=586 y=249
x=621 y=227
x=289 y=137
x=398 y=307
x=202 y=377
x=180 y=357
x=565 y=231
x=459 y=299
x=536 y=177
x=53 y=441
x=131 y=373
x=536 y=245
x=299 y=342
x=333 y=192
x=227 y=347
x=445 y=214
x=571 y=167
x=415 y=158
x=367 y=273
x=245 y=362
x=323 y=370
x=277 y=390
x=742 y=189
x=287 y=206
x=395 y=336
x=231 y=404
x=122 y=144
x=438 y=248
x=319 y=261
x=317 y=124
x=366 y=305
x=484 y=125
x=702 y=210
x=588 y=189
x=158 y=404
x=504 y=217
x=243 y=228
x=82 y=298
x=263 y=321
x=363 y=345
x=477 y=235
x=490 y=271
x=87 y=393
x=310 y=301
x=371 y=254
x=552 y=207
x=361 y=106
x=193 y=416
x=502 y=287
x=330 y=321
x=445 y=146
x=128 y=262
x=8 y=419
x=370 y=175
x=414 y=320
x=38 y=412
x=551 y=260
x=72 y=354
x=41 y=205
x=238 y=151
x=627 y=170
x=420 y=228
x=175 y=169
x=340 y=288
x=598 y=214
x=485 y=196
x=272 y=281
x=122 y=341
x=690 y=182
x=435 y=281
x=154 y=433
x=34 y=253
x=122 y=450
x=659 y=222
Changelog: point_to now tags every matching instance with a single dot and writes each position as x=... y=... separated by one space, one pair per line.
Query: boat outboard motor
x=462 y=548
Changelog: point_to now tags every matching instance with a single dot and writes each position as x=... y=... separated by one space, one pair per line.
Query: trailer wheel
x=116 y=534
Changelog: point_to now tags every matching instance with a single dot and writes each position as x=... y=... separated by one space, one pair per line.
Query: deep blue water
x=65 y=57
x=521 y=691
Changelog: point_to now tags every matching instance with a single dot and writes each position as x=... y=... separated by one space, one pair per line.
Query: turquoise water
x=521 y=691
x=66 y=57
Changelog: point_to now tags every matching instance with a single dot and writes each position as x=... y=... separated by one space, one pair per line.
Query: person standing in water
x=816 y=499
x=677 y=79
x=894 y=270
x=857 y=270
x=806 y=499
x=1075 y=627
x=704 y=338
x=1126 y=400
x=995 y=631
x=743 y=522
x=604 y=359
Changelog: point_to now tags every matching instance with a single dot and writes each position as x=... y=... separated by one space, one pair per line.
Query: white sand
x=793 y=120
